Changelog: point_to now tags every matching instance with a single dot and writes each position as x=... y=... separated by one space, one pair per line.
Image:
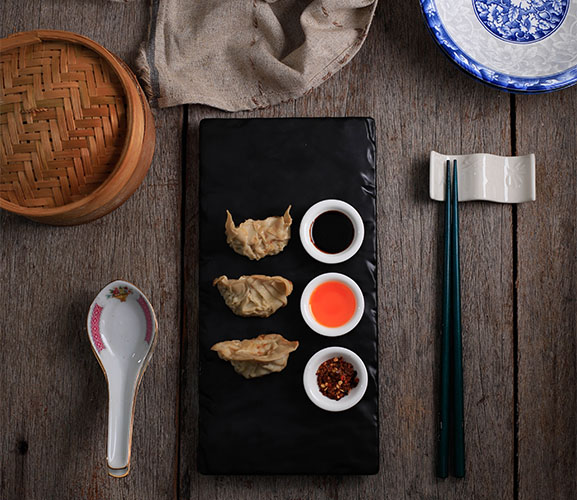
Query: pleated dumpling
x=255 y=295
x=257 y=357
x=258 y=238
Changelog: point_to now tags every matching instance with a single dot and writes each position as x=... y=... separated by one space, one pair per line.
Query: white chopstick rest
x=485 y=177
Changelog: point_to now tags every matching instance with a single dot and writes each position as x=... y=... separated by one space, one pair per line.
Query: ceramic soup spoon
x=122 y=330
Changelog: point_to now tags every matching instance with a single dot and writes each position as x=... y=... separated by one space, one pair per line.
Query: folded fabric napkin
x=246 y=54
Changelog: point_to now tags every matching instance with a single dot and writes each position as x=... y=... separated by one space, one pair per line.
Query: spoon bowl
x=122 y=329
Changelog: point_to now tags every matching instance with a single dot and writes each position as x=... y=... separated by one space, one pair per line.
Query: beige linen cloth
x=245 y=54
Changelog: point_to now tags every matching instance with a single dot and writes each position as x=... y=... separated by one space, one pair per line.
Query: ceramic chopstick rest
x=485 y=177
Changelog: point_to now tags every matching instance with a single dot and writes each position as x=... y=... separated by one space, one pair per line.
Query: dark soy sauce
x=332 y=232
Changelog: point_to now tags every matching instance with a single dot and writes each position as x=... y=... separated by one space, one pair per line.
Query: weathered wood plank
x=420 y=102
x=54 y=400
x=547 y=306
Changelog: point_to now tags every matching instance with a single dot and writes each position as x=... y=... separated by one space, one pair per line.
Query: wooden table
x=519 y=270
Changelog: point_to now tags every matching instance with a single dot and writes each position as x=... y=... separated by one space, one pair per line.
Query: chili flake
x=336 y=377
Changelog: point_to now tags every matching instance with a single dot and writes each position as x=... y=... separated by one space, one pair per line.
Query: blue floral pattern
x=521 y=21
x=501 y=80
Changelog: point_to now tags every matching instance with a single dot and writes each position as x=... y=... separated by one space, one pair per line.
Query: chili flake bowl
x=312 y=388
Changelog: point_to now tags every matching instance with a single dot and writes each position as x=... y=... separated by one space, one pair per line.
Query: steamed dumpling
x=255 y=295
x=258 y=238
x=256 y=357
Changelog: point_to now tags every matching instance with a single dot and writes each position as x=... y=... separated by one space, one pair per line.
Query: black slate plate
x=256 y=168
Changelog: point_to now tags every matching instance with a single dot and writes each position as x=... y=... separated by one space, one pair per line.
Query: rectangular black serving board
x=256 y=168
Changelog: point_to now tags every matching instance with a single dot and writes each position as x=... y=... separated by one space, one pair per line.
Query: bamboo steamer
x=76 y=132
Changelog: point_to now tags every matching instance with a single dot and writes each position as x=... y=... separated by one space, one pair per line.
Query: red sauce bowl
x=332 y=304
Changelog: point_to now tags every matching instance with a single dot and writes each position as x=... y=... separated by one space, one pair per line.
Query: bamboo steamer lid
x=76 y=132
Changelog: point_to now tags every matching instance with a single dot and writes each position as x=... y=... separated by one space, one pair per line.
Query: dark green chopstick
x=458 y=413
x=443 y=444
x=451 y=418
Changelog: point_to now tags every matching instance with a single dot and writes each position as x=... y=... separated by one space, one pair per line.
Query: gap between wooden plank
x=514 y=249
x=183 y=336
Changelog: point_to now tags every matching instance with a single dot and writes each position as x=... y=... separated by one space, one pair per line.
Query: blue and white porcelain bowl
x=524 y=46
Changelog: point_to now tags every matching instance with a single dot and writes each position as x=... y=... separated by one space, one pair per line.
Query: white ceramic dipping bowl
x=307 y=313
x=305 y=231
x=312 y=387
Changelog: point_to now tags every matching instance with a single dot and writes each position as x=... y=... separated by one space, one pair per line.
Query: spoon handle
x=121 y=399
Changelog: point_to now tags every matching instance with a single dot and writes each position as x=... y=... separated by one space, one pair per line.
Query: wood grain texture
x=420 y=102
x=547 y=299
x=53 y=416
x=53 y=411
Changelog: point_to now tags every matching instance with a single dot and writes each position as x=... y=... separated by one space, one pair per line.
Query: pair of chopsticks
x=451 y=431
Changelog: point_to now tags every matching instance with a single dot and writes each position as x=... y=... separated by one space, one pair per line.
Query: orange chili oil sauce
x=333 y=304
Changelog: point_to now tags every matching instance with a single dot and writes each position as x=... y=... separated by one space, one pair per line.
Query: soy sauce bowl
x=312 y=387
x=307 y=313
x=306 y=229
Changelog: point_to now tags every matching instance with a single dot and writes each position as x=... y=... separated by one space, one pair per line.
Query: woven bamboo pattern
x=62 y=123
